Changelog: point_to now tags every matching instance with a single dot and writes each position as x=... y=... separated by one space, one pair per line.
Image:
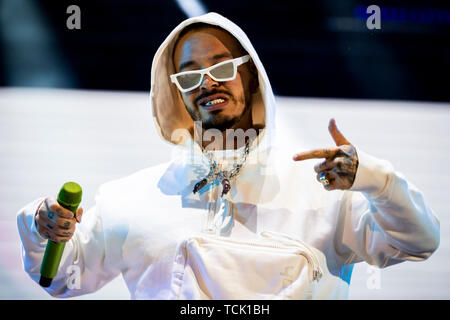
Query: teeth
x=215 y=101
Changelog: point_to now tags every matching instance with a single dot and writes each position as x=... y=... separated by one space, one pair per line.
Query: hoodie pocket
x=274 y=266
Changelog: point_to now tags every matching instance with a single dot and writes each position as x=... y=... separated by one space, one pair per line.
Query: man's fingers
x=49 y=234
x=59 y=223
x=65 y=213
x=316 y=154
x=327 y=153
x=56 y=229
x=324 y=173
x=79 y=214
x=324 y=165
x=338 y=137
x=332 y=178
x=55 y=222
x=60 y=211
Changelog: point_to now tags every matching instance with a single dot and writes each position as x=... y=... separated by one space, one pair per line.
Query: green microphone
x=69 y=197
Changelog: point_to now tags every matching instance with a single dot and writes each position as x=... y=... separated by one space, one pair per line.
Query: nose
x=208 y=83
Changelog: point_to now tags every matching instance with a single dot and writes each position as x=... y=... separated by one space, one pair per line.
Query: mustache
x=209 y=93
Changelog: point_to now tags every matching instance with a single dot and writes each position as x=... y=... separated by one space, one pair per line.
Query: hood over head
x=169 y=111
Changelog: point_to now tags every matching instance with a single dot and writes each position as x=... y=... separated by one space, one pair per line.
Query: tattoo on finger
x=47 y=207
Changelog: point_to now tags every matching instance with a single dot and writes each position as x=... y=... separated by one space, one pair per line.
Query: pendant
x=223 y=220
x=225 y=186
x=200 y=185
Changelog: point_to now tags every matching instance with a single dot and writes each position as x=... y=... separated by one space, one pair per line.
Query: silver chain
x=213 y=170
x=222 y=175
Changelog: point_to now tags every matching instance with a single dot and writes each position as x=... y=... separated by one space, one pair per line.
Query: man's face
x=199 y=49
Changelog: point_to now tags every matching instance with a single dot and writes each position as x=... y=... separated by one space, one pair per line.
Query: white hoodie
x=148 y=226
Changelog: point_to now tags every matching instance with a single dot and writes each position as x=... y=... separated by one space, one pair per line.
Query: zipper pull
x=317 y=274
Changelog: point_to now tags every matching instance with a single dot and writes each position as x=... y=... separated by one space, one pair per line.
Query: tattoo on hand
x=67 y=224
x=347 y=166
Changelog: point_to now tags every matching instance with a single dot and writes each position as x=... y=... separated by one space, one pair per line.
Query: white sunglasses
x=223 y=71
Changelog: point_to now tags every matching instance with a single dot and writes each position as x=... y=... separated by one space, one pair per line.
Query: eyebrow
x=190 y=63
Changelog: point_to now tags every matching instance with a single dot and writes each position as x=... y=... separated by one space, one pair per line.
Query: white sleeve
x=84 y=266
x=384 y=219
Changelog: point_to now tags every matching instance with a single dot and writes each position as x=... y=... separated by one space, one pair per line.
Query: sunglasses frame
x=236 y=63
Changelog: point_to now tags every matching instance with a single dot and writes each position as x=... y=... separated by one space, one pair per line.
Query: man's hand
x=340 y=164
x=55 y=222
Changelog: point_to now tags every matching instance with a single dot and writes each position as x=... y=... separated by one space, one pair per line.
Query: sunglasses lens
x=189 y=80
x=224 y=71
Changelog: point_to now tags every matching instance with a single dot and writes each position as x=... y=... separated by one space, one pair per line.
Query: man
x=232 y=216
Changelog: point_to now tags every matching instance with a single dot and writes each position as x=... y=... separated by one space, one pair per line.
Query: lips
x=213 y=102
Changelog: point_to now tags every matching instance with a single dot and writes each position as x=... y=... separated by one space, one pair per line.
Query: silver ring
x=324 y=180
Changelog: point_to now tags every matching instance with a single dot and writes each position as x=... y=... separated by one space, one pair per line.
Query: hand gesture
x=338 y=170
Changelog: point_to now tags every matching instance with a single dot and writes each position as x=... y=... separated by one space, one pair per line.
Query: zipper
x=309 y=256
x=317 y=271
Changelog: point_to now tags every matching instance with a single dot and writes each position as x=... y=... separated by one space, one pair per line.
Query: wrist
x=373 y=175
